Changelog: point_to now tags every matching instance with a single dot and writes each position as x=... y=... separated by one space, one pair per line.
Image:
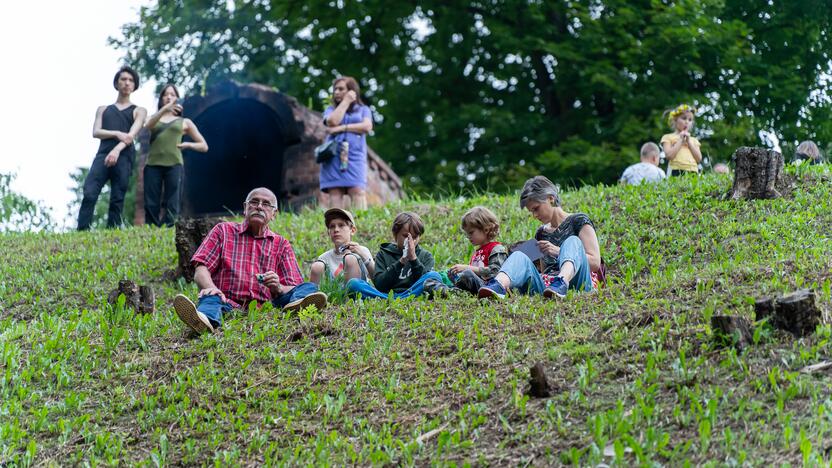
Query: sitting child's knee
x=351 y=261
x=318 y=268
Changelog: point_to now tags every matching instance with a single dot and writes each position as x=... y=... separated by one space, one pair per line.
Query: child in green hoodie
x=401 y=267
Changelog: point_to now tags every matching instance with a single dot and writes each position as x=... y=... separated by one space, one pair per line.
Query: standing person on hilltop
x=116 y=126
x=647 y=170
x=680 y=147
x=164 y=168
x=347 y=121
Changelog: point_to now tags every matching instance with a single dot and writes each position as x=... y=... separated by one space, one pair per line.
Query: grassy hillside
x=414 y=381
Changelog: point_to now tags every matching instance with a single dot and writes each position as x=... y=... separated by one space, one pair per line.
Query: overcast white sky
x=56 y=69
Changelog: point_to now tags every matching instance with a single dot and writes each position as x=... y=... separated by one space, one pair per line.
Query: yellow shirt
x=684 y=160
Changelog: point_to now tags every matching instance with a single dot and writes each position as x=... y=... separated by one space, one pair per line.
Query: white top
x=642 y=172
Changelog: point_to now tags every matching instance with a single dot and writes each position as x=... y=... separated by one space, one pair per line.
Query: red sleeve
x=287 y=265
x=209 y=252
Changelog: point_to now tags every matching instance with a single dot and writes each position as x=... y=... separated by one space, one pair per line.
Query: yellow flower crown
x=671 y=117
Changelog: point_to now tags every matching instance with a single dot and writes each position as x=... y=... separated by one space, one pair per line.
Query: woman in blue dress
x=348 y=121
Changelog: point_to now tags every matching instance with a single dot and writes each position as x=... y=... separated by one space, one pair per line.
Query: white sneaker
x=318 y=299
x=186 y=310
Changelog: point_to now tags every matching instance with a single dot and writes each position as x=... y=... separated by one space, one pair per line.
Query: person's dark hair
x=538 y=189
x=131 y=72
x=352 y=85
x=408 y=218
x=159 y=104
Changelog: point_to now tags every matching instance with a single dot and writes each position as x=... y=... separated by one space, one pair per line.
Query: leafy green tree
x=18 y=213
x=483 y=93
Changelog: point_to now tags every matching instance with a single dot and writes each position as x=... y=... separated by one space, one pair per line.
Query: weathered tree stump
x=539 y=385
x=141 y=299
x=758 y=173
x=732 y=331
x=189 y=235
x=795 y=313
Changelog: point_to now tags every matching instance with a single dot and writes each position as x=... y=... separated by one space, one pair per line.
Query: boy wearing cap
x=347 y=259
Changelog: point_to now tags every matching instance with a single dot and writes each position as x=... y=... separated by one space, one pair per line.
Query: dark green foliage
x=468 y=90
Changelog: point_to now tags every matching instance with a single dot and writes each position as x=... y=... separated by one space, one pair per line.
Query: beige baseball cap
x=333 y=213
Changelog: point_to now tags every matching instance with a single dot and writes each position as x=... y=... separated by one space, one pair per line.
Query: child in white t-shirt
x=347 y=259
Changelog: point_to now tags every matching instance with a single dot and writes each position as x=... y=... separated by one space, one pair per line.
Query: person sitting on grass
x=401 y=267
x=647 y=170
x=571 y=255
x=347 y=259
x=809 y=152
x=481 y=227
x=240 y=263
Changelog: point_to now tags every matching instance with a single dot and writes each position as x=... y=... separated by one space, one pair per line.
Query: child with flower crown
x=682 y=150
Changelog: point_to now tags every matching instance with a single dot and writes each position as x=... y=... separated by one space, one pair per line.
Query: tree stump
x=141 y=299
x=189 y=235
x=796 y=313
x=732 y=331
x=757 y=173
x=539 y=385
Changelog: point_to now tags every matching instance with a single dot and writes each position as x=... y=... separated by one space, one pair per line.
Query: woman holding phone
x=164 y=168
x=347 y=121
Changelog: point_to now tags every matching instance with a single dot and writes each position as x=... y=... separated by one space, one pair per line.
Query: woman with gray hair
x=571 y=255
x=808 y=151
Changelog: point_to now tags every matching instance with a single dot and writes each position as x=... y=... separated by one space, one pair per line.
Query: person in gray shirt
x=647 y=170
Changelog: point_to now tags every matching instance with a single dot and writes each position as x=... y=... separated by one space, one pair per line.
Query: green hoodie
x=392 y=274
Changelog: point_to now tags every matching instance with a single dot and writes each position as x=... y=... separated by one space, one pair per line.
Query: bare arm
x=198 y=143
x=365 y=126
x=671 y=150
x=337 y=115
x=590 y=242
x=695 y=151
x=202 y=277
x=154 y=119
x=139 y=114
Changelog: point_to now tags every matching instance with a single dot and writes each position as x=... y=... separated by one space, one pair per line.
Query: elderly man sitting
x=238 y=263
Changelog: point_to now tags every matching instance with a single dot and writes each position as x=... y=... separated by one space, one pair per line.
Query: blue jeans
x=213 y=307
x=525 y=277
x=356 y=286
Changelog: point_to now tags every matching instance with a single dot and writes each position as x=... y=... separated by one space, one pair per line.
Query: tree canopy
x=480 y=94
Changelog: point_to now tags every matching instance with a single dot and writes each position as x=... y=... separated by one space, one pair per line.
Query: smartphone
x=406 y=249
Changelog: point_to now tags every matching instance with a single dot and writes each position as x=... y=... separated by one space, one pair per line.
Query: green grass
x=411 y=382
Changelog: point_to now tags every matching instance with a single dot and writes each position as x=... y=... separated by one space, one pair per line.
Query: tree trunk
x=732 y=331
x=189 y=235
x=795 y=313
x=141 y=299
x=757 y=174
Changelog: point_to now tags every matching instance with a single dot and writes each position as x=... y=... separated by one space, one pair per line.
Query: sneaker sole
x=318 y=299
x=486 y=293
x=551 y=294
x=186 y=310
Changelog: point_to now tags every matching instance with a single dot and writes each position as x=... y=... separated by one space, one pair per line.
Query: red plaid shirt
x=234 y=257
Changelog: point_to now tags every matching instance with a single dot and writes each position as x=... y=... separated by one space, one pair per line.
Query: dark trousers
x=159 y=179
x=118 y=176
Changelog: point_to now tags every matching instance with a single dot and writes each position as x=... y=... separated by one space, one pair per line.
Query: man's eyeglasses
x=258 y=203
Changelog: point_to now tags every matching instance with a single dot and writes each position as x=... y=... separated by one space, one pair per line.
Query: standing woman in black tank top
x=116 y=126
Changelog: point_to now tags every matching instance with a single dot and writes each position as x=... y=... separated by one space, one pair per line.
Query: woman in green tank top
x=164 y=168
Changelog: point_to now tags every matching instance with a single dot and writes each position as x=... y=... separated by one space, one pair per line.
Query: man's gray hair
x=649 y=149
x=538 y=189
x=261 y=189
